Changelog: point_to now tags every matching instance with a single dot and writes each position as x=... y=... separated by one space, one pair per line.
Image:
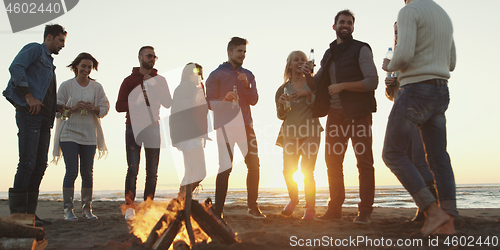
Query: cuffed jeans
x=34 y=140
x=133 y=159
x=253 y=166
x=421 y=105
x=338 y=132
x=75 y=153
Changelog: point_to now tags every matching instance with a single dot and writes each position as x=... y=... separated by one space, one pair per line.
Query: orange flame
x=148 y=213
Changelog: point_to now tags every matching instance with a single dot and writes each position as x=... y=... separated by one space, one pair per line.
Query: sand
x=389 y=225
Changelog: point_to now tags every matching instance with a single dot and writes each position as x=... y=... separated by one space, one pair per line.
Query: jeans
x=34 y=140
x=72 y=153
x=133 y=159
x=338 y=132
x=253 y=166
x=293 y=149
x=416 y=154
x=421 y=105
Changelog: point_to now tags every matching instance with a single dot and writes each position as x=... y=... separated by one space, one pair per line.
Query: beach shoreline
x=276 y=232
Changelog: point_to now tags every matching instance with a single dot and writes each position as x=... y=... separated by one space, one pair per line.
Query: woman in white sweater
x=80 y=135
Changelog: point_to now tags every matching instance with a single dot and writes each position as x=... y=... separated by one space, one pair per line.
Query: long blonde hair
x=297 y=53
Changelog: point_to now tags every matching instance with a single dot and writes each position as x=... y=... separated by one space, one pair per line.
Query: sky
x=198 y=31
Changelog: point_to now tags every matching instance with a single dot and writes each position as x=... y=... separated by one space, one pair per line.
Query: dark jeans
x=74 y=153
x=133 y=159
x=253 y=166
x=416 y=154
x=338 y=133
x=421 y=105
x=34 y=140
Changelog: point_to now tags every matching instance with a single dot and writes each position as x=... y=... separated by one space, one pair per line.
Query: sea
x=468 y=196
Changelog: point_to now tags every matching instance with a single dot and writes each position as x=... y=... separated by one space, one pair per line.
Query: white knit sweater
x=81 y=129
x=425 y=48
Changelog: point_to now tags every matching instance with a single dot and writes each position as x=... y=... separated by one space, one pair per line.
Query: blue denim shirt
x=33 y=67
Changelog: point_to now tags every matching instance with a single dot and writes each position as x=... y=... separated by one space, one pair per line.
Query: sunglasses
x=150 y=56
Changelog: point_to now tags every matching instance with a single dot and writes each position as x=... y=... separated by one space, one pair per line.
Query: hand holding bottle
x=236 y=100
x=387 y=60
x=390 y=81
x=287 y=104
x=67 y=109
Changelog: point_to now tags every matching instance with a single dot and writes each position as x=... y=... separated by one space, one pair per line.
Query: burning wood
x=155 y=232
x=213 y=227
x=181 y=245
x=170 y=233
x=169 y=229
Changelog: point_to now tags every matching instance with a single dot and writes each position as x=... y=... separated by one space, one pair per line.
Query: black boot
x=18 y=199
x=31 y=208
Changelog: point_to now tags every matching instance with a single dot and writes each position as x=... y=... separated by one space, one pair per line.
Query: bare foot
x=435 y=217
x=447 y=229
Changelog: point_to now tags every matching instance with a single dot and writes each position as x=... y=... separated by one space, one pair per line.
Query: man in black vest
x=346 y=84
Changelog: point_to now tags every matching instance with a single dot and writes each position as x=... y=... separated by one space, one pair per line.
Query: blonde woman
x=300 y=133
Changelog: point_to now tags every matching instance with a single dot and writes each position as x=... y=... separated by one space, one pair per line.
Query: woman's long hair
x=291 y=56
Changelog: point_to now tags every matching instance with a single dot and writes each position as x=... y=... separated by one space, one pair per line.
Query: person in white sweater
x=425 y=55
x=79 y=135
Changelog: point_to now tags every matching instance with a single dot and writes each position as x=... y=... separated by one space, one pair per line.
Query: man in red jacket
x=141 y=95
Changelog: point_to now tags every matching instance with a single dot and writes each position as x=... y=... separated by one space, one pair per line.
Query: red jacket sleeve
x=122 y=101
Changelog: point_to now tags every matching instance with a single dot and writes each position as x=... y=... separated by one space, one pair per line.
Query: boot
x=18 y=200
x=87 y=204
x=31 y=208
x=68 y=194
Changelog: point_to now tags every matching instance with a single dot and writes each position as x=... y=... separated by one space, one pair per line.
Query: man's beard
x=147 y=65
x=344 y=36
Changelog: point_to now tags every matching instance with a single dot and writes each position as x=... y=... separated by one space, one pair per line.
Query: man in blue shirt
x=230 y=88
x=32 y=91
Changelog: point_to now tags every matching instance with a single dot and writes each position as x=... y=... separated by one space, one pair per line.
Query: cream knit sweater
x=81 y=129
x=425 y=48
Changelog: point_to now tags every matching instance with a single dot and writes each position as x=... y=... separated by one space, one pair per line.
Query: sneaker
x=129 y=214
x=256 y=213
x=330 y=215
x=288 y=210
x=362 y=218
x=309 y=214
